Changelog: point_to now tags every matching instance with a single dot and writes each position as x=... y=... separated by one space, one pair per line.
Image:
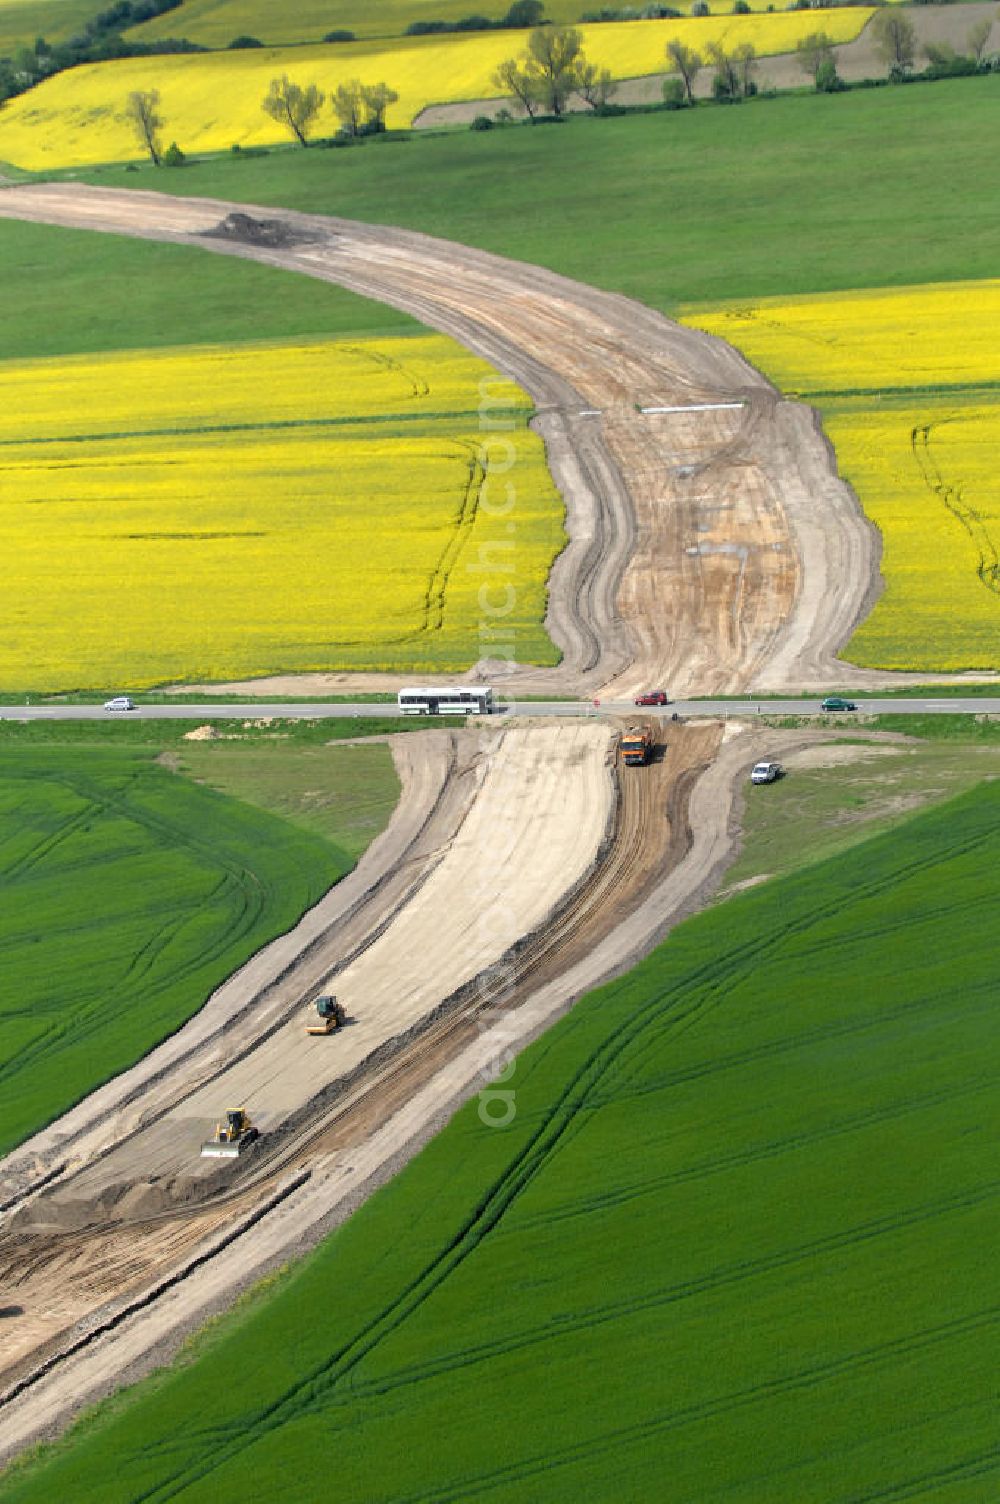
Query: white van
x=765 y=772
x=120 y=702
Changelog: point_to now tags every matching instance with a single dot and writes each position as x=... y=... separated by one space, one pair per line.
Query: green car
x=834 y=702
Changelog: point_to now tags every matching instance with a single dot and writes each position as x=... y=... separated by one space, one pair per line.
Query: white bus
x=476 y=699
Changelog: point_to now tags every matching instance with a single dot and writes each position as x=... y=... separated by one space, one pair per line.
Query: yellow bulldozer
x=331 y=1016
x=231 y=1137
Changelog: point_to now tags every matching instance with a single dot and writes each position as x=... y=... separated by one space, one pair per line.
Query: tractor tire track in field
x=978 y=1465
x=246 y=901
x=716 y=1279
x=883 y=1354
x=590 y=917
x=465 y=520
x=736 y=517
x=771 y=1149
x=950 y=493
x=416 y=385
x=612 y=1441
x=559 y=1122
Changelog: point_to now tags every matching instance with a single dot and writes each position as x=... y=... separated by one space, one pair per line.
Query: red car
x=653 y=697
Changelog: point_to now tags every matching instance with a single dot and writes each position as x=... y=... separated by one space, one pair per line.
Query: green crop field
x=697 y=205
x=214 y=23
x=166 y=735
x=131 y=892
x=736 y=1245
x=345 y=794
x=21 y=21
x=60 y=297
x=834 y=797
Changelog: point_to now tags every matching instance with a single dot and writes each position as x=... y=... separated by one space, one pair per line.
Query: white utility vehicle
x=765 y=772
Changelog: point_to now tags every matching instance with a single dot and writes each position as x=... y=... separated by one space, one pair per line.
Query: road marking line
x=695 y=407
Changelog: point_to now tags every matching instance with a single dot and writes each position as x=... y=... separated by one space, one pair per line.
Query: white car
x=119 y=702
x=765 y=772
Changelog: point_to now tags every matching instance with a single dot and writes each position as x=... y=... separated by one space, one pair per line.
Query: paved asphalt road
x=319 y=710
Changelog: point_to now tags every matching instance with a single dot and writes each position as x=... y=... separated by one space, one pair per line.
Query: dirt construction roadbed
x=712 y=545
x=113 y=1273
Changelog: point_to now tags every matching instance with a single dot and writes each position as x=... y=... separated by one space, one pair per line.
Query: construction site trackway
x=711 y=545
x=711 y=542
x=125 y=1293
x=503 y=859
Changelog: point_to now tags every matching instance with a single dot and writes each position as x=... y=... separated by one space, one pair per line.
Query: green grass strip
x=735 y=1232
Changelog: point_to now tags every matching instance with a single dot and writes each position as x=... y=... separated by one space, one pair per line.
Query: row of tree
x=733 y=77
x=520 y=15
x=553 y=68
x=550 y=70
x=359 y=108
x=896 y=39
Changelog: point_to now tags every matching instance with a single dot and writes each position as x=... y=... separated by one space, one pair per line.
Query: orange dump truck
x=637 y=745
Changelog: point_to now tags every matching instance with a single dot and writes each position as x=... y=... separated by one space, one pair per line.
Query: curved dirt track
x=703 y=542
x=711 y=548
x=504 y=833
x=522 y=825
x=79 y=1255
x=432 y=796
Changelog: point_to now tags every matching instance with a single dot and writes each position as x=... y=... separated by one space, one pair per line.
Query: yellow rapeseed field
x=908 y=382
x=217 y=512
x=211 y=101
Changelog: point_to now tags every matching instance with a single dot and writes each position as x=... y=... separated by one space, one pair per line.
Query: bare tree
x=377 y=99
x=142 y=114
x=554 y=60
x=895 y=38
x=292 y=106
x=815 y=50
x=510 y=78
x=348 y=102
x=978 y=38
x=687 y=63
x=745 y=59
x=726 y=83
x=596 y=88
